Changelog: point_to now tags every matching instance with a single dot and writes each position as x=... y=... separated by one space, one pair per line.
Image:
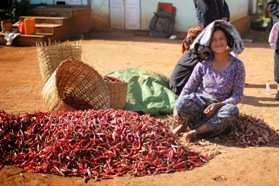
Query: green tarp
x=148 y=92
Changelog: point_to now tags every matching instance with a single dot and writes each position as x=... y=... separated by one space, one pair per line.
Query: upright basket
x=50 y=55
x=75 y=85
x=117 y=92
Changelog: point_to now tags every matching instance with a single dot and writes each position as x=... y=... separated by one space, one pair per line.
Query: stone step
x=46 y=19
x=44 y=27
x=54 y=24
x=26 y=40
x=53 y=11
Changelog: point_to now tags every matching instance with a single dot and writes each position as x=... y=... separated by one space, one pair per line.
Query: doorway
x=125 y=14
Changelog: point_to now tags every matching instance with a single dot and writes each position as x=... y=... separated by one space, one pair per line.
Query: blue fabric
x=190 y=107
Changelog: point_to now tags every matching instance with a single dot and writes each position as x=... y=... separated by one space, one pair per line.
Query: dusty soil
x=21 y=85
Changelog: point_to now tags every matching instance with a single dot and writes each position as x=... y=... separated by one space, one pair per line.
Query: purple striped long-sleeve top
x=226 y=86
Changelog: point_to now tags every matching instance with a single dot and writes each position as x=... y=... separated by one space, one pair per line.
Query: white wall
x=185 y=15
x=100 y=13
x=49 y=2
x=238 y=9
x=53 y=2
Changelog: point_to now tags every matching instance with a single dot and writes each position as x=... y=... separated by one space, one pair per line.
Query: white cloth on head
x=202 y=42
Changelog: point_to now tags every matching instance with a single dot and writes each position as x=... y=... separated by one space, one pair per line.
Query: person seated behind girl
x=207 y=103
x=186 y=63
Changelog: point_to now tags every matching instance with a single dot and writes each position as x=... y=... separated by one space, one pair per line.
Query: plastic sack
x=148 y=92
x=21 y=27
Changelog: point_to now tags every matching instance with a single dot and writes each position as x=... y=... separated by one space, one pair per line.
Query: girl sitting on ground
x=207 y=103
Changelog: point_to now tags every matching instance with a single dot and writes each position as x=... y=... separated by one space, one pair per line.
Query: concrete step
x=61 y=11
x=54 y=24
x=44 y=27
x=46 y=19
x=26 y=40
x=47 y=28
x=53 y=11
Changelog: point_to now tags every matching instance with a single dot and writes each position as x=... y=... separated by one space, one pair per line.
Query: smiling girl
x=207 y=103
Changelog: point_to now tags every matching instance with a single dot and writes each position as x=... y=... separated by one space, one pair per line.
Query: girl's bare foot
x=189 y=136
x=182 y=125
x=179 y=129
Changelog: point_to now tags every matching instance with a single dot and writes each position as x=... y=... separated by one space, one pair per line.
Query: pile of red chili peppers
x=112 y=79
x=93 y=144
x=248 y=130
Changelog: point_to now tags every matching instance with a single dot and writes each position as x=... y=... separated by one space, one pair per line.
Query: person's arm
x=210 y=12
x=182 y=71
x=195 y=3
x=239 y=82
x=201 y=5
x=226 y=11
x=273 y=7
x=238 y=89
x=203 y=12
x=201 y=8
x=194 y=81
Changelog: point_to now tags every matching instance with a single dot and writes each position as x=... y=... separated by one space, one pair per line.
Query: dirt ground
x=21 y=85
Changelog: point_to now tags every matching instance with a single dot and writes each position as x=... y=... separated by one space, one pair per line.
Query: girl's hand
x=177 y=119
x=211 y=109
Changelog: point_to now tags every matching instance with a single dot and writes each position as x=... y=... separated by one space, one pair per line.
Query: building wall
x=185 y=16
x=238 y=9
x=185 y=13
x=49 y=2
x=100 y=13
x=52 y=2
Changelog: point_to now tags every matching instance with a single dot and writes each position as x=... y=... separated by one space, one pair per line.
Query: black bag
x=162 y=24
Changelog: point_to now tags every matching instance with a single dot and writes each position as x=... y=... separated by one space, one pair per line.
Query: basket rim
x=118 y=92
x=97 y=96
x=51 y=54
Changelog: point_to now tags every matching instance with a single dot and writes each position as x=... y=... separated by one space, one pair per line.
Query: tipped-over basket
x=50 y=55
x=117 y=91
x=75 y=85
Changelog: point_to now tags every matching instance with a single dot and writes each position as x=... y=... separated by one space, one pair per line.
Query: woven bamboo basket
x=117 y=94
x=75 y=85
x=50 y=55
